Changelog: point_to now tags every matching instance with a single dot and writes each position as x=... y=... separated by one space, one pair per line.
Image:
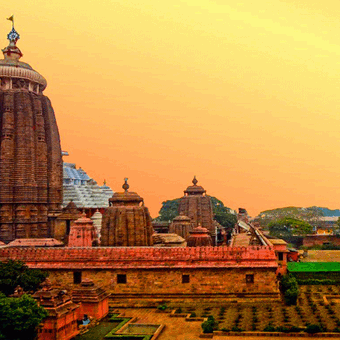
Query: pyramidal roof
x=82 y=190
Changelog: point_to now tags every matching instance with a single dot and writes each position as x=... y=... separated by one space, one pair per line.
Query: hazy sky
x=242 y=94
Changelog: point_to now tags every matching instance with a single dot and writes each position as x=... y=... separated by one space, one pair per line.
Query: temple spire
x=194 y=181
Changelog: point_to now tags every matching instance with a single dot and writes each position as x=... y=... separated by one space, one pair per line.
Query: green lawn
x=313 y=267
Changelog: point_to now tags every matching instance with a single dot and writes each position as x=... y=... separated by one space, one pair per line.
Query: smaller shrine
x=196 y=205
x=127 y=222
x=63 y=222
x=82 y=233
x=97 y=218
x=181 y=225
x=200 y=237
x=94 y=300
x=61 y=322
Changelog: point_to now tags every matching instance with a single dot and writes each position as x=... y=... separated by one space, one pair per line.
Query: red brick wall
x=142 y=257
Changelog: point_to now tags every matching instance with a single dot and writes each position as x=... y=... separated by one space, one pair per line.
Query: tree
x=290 y=289
x=20 y=317
x=222 y=214
x=289 y=226
x=311 y=215
x=16 y=273
x=169 y=210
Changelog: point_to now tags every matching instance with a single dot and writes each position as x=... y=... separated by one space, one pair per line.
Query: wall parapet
x=141 y=257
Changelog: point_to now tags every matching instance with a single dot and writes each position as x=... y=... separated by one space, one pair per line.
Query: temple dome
x=127 y=222
x=181 y=218
x=199 y=237
x=23 y=74
x=181 y=225
x=194 y=189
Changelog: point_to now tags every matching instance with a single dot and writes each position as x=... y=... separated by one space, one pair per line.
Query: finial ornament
x=11 y=18
x=126 y=186
x=13 y=36
x=194 y=181
x=104 y=181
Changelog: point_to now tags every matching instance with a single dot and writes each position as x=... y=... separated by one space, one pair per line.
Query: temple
x=126 y=222
x=110 y=259
x=80 y=188
x=196 y=205
x=30 y=155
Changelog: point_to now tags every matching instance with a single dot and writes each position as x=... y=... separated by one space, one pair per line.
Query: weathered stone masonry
x=145 y=275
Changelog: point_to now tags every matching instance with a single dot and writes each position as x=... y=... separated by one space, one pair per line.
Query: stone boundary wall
x=142 y=257
x=313 y=240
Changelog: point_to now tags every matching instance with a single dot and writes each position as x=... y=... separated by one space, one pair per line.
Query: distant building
x=84 y=191
x=196 y=205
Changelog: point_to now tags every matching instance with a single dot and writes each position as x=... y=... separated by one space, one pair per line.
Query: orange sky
x=242 y=94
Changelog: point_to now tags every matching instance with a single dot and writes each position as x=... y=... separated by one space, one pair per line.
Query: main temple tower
x=30 y=153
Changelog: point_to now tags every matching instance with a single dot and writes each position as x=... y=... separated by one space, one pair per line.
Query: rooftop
x=80 y=188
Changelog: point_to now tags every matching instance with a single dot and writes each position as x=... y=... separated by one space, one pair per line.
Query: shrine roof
x=35 y=242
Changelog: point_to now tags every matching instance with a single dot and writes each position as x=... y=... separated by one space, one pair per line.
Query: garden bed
x=311 y=308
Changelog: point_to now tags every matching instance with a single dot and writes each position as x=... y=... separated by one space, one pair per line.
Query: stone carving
x=197 y=206
x=30 y=153
x=127 y=222
x=199 y=237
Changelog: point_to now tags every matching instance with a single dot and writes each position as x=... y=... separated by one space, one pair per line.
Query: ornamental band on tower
x=30 y=154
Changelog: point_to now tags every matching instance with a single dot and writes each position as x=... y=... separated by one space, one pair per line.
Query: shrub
x=236 y=329
x=316 y=282
x=225 y=329
x=290 y=289
x=295 y=329
x=312 y=329
x=179 y=310
x=282 y=329
x=269 y=328
x=162 y=307
x=193 y=315
x=291 y=296
x=210 y=325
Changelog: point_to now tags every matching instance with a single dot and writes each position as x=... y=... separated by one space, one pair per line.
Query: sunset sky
x=242 y=94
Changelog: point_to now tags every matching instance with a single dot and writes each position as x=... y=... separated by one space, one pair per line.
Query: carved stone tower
x=126 y=223
x=181 y=225
x=197 y=205
x=30 y=153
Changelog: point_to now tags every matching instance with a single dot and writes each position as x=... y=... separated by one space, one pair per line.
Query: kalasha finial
x=104 y=181
x=194 y=181
x=126 y=186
